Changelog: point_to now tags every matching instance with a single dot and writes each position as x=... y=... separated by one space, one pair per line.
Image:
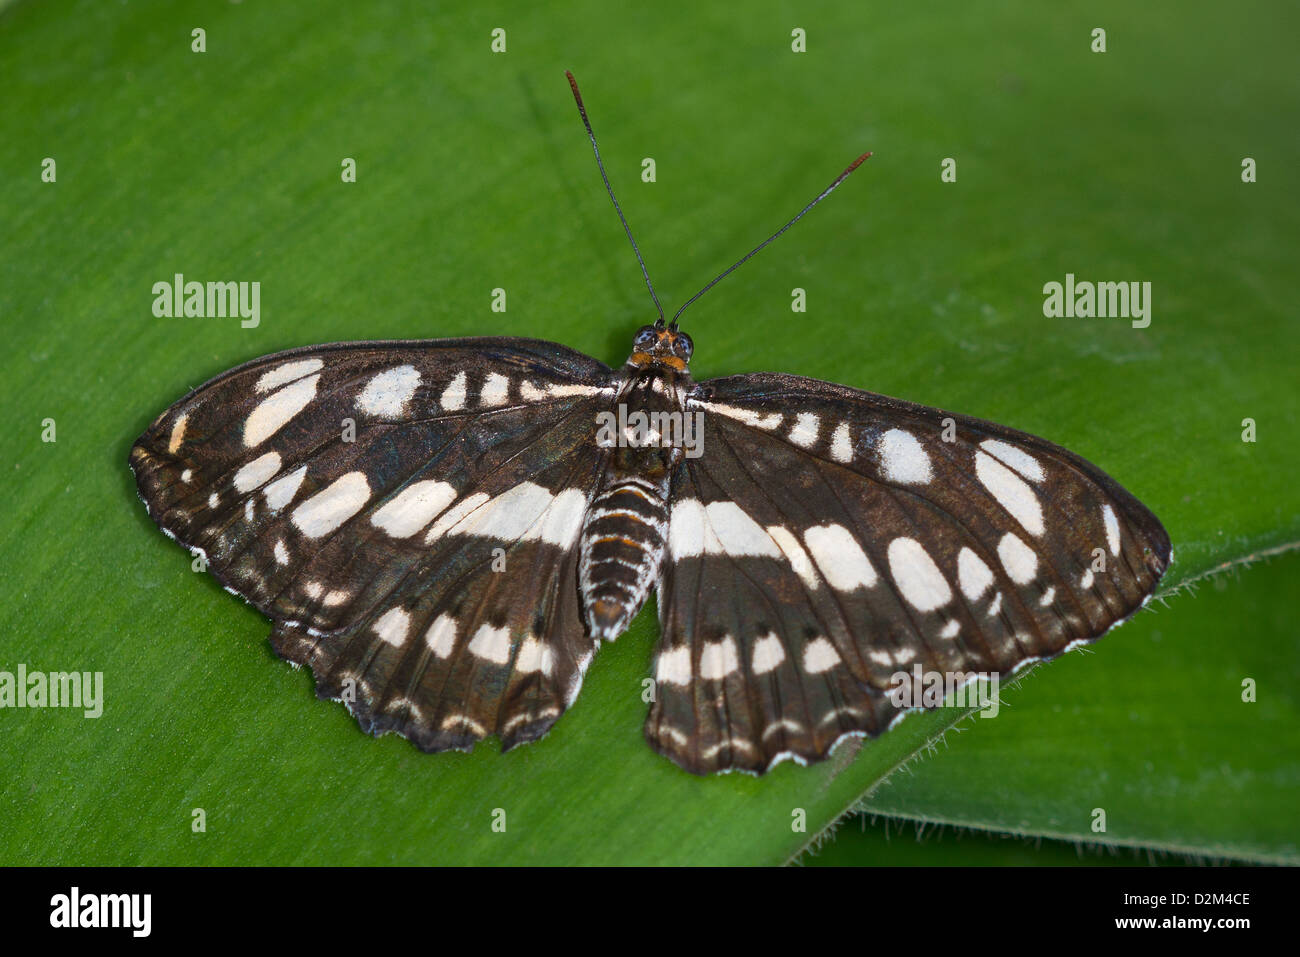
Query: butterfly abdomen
x=622 y=547
x=625 y=529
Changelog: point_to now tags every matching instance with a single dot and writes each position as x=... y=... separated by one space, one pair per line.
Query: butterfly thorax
x=646 y=432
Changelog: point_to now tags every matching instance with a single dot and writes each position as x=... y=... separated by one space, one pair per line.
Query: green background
x=473 y=174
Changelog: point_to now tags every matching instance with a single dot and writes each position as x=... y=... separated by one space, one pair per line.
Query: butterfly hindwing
x=406 y=513
x=828 y=539
x=459 y=654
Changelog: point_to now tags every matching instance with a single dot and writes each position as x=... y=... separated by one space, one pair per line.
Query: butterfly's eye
x=684 y=347
x=645 y=339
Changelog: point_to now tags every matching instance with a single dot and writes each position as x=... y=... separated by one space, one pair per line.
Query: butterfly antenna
x=730 y=269
x=582 y=111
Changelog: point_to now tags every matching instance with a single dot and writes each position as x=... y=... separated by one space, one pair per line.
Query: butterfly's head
x=661 y=345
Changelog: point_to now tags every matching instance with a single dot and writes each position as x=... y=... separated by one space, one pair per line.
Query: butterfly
x=446 y=530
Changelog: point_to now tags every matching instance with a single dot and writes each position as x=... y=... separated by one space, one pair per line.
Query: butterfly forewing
x=829 y=539
x=406 y=513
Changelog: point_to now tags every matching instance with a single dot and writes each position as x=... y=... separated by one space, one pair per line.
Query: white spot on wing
x=737 y=533
x=1112 y=528
x=995 y=605
x=453 y=397
x=747 y=416
x=1018 y=559
x=800 y=564
x=441 y=636
x=277 y=409
x=454 y=514
x=333 y=505
x=784 y=724
x=1011 y=492
x=564 y=518
x=804 y=431
x=717 y=528
x=491 y=644
x=495 y=391
x=668 y=731
x=768 y=654
x=729 y=744
x=841 y=445
x=387 y=394
x=534 y=656
x=256 y=472
x=718 y=659
x=393 y=627
x=281 y=553
x=464 y=721
x=688 y=531
x=973 y=575
x=283 y=375
x=674 y=666
x=413 y=508
x=281 y=492
x=819 y=655
x=880 y=657
x=902 y=459
x=1018 y=459
x=842 y=561
x=178 y=433
x=564 y=390
x=917 y=576
x=509 y=515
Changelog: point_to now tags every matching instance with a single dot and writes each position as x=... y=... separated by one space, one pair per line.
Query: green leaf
x=881 y=841
x=1155 y=734
x=473 y=174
